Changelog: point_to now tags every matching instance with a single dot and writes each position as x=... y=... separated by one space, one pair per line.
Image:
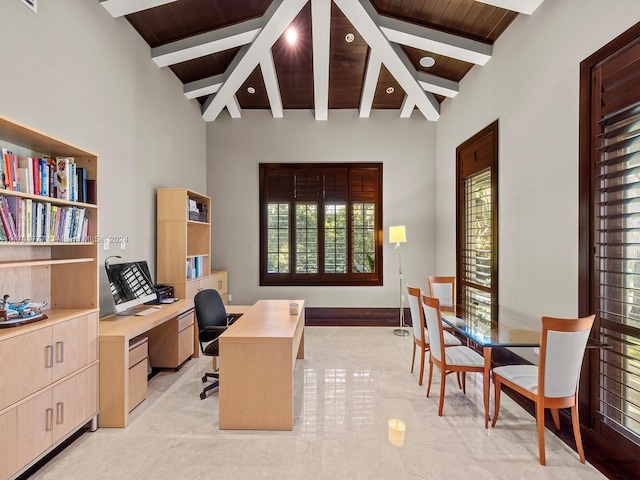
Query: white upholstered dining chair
x=420 y=333
x=444 y=289
x=459 y=359
x=554 y=383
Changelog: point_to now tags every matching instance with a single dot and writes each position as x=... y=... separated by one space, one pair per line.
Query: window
x=321 y=224
x=477 y=212
x=610 y=235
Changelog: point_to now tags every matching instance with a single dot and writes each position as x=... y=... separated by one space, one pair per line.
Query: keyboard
x=145 y=312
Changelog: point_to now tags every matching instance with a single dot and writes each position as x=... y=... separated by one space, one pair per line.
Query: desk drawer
x=185 y=321
x=138 y=353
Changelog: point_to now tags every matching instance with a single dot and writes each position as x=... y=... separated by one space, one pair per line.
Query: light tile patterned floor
x=352 y=381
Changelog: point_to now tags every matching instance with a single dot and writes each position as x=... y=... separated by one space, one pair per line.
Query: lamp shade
x=397 y=234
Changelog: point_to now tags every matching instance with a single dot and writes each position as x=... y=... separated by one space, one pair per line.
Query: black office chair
x=212 y=322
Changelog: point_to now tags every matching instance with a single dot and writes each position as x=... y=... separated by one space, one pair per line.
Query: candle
x=396 y=432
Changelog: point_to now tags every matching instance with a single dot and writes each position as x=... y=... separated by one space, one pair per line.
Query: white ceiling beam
x=233 y=107
x=321 y=31
x=370 y=82
x=521 y=6
x=365 y=19
x=270 y=78
x=437 y=85
x=407 y=107
x=277 y=18
x=206 y=43
x=120 y=8
x=204 y=86
x=430 y=40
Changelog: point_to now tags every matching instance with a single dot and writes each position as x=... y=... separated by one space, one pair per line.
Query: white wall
x=74 y=72
x=405 y=147
x=532 y=86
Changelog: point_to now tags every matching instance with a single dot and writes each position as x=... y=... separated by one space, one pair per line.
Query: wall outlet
x=536 y=350
x=105 y=244
x=229 y=297
x=123 y=245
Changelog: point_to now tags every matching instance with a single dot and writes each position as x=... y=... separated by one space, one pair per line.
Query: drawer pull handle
x=49 y=419
x=60 y=413
x=59 y=352
x=49 y=355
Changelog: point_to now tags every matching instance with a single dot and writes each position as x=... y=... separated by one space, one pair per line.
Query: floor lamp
x=398 y=235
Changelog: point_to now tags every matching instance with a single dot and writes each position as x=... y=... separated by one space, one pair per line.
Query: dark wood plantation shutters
x=610 y=265
x=477 y=239
x=321 y=224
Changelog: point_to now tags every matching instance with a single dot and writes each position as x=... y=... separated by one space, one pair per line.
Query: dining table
x=505 y=332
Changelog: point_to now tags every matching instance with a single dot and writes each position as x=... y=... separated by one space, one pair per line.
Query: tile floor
x=352 y=381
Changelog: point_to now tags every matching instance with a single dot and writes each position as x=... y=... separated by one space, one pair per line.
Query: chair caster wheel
x=203 y=396
x=204 y=379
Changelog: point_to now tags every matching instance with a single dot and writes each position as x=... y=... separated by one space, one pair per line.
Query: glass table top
x=494 y=334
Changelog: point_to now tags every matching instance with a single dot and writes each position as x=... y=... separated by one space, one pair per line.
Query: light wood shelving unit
x=50 y=367
x=180 y=239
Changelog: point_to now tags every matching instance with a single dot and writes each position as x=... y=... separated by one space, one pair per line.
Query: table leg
x=486 y=383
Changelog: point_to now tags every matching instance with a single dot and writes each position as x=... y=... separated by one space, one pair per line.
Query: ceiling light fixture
x=427 y=62
x=390 y=90
x=251 y=90
x=291 y=35
x=349 y=37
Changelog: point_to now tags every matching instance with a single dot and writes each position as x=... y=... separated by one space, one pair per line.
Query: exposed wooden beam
x=271 y=84
x=233 y=107
x=277 y=18
x=206 y=43
x=370 y=82
x=437 y=85
x=119 y=8
x=365 y=19
x=204 y=86
x=321 y=29
x=430 y=40
x=521 y=6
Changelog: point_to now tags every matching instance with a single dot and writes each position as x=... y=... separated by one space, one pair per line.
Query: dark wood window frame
x=321 y=183
x=478 y=154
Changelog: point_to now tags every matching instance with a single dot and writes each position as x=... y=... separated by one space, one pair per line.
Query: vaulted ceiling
x=406 y=55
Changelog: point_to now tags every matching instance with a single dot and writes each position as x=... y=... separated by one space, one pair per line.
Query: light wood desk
x=257 y=358
x=170 y=333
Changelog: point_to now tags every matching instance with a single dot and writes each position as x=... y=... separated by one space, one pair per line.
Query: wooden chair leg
x=556 y=417
x=496 y=406
x=430 y=374
x=576 y=432
x=421 y=366
x=413 y=356
x=540 y=422
x=464 y=382
x=443 y=381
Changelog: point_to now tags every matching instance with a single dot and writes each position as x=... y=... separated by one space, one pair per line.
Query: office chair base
x=215 y=384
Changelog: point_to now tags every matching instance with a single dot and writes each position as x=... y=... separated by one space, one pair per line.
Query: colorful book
x=63 y=177
x=7 y=181
x=15 y=209
x=7 y=221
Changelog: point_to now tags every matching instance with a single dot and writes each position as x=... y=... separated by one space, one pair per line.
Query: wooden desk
x=257 y=358
x=115 y=334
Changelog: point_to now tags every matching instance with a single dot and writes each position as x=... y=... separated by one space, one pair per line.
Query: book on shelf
x=7 y=223
x=82 y=184
x=15 y=209
x=64 y=180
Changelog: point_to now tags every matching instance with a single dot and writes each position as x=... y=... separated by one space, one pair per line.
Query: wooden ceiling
x=234 y=54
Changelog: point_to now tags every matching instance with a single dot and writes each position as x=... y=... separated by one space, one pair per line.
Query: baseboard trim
x=354 y=317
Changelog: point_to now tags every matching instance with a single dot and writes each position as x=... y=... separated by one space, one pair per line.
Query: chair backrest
x=562 y=346
x=444 y=289
x=417 y=315
x=210 y=311
x=433 y=320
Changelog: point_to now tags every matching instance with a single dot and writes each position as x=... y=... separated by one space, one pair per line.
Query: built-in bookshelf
x=51 y=364
x=184 y=243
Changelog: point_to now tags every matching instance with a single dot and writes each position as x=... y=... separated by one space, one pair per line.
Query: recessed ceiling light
x=390 y=90
x=291 y=35
x=427 y=62
x=349 y=37
x=251 y=90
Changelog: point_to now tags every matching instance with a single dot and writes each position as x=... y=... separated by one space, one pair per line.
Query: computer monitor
x=130 y=285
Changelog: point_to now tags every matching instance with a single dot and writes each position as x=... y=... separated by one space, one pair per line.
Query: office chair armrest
x=231 y=318
x=207 y=334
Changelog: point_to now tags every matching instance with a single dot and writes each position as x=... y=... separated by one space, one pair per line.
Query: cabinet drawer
x=185 y=321
x=185 y=344
x=137 y=383
x=138 y=350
